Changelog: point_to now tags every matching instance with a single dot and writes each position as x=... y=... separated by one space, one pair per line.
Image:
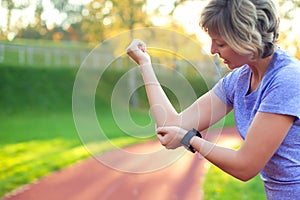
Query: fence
x=43 y=56
x=67 y=56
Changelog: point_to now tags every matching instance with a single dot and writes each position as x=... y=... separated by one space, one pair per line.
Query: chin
x=232 y=67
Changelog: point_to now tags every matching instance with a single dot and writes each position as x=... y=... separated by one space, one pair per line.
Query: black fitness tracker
x=187 y=138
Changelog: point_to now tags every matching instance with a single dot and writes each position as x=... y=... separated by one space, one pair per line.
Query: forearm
x=229 y=160
x=265 y=135
x=161 y=107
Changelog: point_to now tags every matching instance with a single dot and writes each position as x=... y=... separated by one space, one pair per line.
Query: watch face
x=187 y=138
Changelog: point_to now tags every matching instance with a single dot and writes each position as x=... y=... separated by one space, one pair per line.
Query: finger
x=142 y=46
x=162 y=128
x=167 y=128
x=162 y=140
x=162 y=131
x=131 y=46
x=135 y=45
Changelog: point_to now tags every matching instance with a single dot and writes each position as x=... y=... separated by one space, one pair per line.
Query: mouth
x=225 y=61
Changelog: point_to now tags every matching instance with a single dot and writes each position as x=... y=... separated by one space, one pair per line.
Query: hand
x=170 y=136
x=138 y=52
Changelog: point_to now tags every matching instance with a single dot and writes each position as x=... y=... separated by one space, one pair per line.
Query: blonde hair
x=249 y=27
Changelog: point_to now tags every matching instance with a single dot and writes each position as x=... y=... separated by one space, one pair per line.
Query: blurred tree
x=102 y=18
x=290 y=33
x=11 y=29
x=37 y=29
x=69 y=29
x=73 y=12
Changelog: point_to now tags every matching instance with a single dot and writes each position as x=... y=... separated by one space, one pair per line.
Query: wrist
x=196 y=143
x=192 y=141
x=144 y=63
x=188 y=138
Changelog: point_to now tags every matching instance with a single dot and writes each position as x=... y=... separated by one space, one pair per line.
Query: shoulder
x=284 y=68
x=282 y=60
x=280 y=92
x=234 y=80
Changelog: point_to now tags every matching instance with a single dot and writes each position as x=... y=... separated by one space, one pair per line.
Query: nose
x=214 y=49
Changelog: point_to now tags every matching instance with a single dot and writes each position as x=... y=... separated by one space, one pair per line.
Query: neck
x=258 y=68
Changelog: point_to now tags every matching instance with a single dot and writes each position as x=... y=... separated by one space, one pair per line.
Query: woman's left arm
x=265 y=135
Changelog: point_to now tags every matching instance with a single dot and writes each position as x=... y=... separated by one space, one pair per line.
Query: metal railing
x=43 y=56
x=68 y=56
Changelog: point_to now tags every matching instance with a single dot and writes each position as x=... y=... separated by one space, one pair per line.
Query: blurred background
x=42 y=45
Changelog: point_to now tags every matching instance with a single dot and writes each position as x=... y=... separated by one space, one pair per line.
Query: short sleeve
x=219 y=90
x=282 y=95
x=225 y=89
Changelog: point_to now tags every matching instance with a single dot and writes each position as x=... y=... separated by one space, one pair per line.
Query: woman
x=263 y=89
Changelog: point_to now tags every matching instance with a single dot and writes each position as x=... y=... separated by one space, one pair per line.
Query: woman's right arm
x=204 y=112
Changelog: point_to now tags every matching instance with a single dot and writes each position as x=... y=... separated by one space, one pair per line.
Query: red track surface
x=91 y=180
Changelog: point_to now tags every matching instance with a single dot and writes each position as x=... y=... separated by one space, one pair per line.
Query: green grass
x=221 y=186
x=36 y=144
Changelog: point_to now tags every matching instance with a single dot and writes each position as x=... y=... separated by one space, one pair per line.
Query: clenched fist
x=138 y=52
x=170 y=136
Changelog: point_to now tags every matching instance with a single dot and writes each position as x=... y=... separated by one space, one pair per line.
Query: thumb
x=135 y=45
x=161 y=130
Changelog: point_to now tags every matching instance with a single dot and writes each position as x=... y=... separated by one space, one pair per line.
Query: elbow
x=172 y=119
x=247 y=168
x=246 y=177
x=164 y=116
x=246 y=174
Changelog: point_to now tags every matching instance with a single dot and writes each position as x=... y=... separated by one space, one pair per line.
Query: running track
x=91 y=180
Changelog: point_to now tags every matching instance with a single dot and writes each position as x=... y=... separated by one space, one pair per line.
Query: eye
x=220 y=45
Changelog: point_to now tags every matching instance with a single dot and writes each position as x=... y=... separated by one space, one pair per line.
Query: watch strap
x=187 y=138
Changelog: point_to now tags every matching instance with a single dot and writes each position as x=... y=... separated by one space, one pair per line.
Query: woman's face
x=231 y=58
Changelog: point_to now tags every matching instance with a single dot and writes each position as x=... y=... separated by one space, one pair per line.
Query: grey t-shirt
x=279 y=92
